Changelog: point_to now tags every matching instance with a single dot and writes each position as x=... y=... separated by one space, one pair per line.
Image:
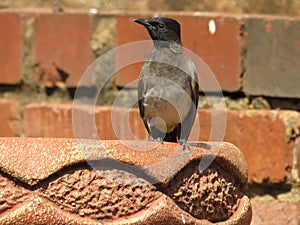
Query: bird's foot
x=158 y=139
x=184 y=144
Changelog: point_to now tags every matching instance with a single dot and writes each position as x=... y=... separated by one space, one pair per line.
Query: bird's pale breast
x=166 y=99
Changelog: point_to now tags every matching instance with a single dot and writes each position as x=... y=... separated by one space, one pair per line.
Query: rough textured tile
x=121 y=182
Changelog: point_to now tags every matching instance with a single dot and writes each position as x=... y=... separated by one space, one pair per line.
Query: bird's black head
x=162 y=29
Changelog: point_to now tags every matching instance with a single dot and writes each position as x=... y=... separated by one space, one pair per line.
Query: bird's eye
x=161 y=26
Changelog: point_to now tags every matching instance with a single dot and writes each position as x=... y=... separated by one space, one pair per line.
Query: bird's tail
x=172 y=136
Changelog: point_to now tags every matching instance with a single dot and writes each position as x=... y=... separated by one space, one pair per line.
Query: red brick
x=55 y=120
x=125 y=26
x=111 y=123
x=221 y=51
x=119 y=123
x=9 y=118
x=271 y=62
x=48 y=120
x=62 y=41
x=10 y=48
x=274 y=212
x=261 y=136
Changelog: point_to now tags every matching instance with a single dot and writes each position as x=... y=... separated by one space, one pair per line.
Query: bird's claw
x=184 y=144
x=159 y=139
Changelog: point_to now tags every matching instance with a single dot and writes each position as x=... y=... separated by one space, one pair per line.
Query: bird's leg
x=184 y=144
x=154 y=134
x=158 y=139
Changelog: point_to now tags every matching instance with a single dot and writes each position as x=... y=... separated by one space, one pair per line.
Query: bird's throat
x=174 y=46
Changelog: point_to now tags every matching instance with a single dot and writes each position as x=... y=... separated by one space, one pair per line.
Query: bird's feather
x=168 y=86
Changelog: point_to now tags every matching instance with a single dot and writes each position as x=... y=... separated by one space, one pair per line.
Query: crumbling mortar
x=291 y=120
x=295 y=164
x=103 y=35
x=292 y=124
x=103 y=40
x=27 y=89
x=243 y=52
x=28 y=69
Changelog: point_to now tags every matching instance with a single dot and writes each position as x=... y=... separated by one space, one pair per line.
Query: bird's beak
x=143 y=22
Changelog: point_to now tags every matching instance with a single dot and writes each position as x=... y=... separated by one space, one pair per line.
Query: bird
x=168 y=87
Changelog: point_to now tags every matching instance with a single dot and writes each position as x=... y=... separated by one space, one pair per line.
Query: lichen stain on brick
x=287 y=23
x=268 y=26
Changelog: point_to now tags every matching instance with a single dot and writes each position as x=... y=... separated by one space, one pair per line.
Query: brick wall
x=254 y=58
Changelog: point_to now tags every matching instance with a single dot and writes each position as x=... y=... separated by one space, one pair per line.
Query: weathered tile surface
x=132 y=182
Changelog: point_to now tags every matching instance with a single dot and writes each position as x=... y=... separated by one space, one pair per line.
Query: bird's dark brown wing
x=187 y=124
x=195 y=91
x=140 y=102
